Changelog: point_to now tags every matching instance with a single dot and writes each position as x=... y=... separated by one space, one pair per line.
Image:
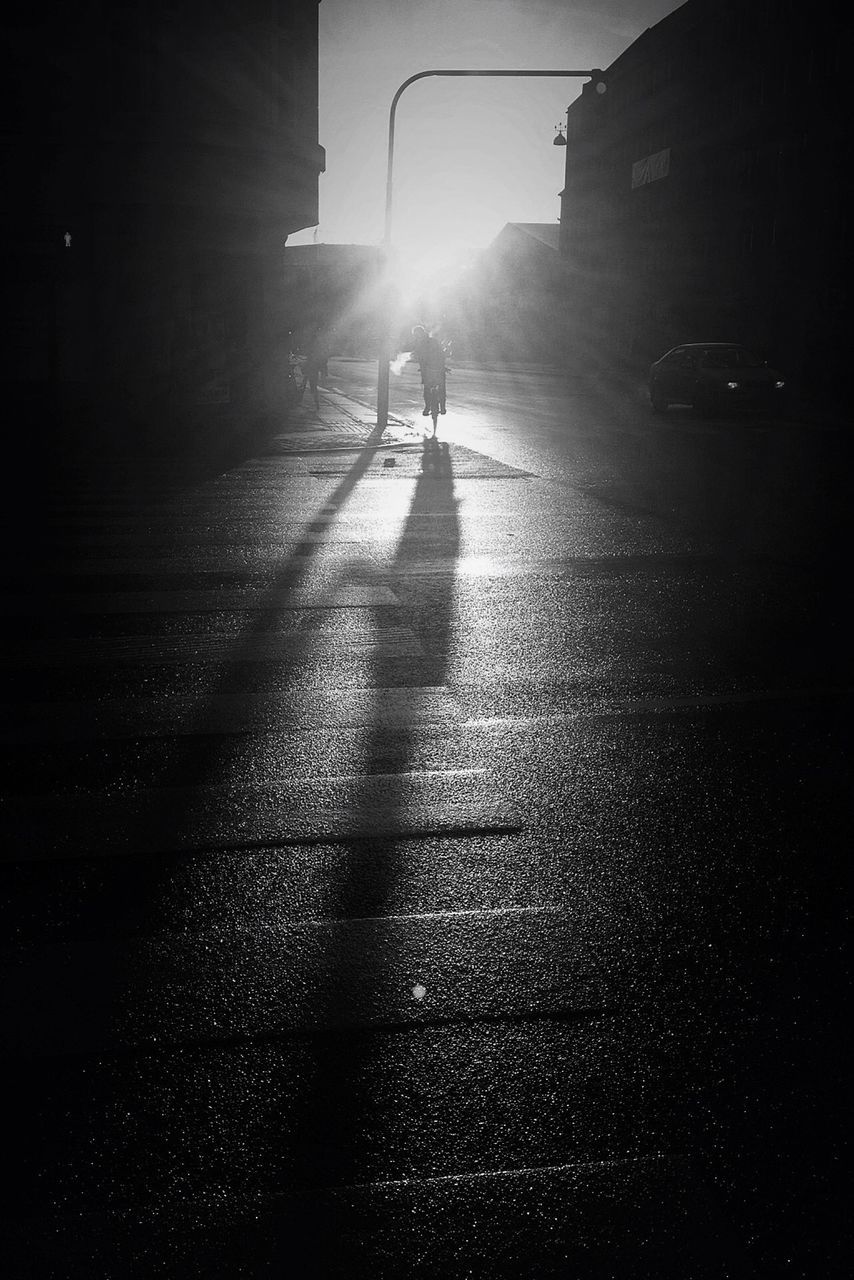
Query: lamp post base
x=382 y=389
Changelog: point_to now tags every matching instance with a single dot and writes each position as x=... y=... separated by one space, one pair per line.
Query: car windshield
x=730 y=358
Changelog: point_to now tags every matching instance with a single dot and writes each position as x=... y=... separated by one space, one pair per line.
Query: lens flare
x=427 y=268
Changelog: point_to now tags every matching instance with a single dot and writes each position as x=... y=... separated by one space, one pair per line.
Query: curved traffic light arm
x=595 y=74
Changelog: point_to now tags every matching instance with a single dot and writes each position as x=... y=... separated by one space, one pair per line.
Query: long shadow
x=335 y=1113
x=430 y=537
x=208 y=750
x=137 y=889
x=331 y=1111
x=201 y=755
x=323 y=1144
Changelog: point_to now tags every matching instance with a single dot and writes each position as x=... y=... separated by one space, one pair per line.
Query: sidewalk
x=341 y=423
x=43 y=436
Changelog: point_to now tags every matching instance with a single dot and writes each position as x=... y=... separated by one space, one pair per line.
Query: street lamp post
x=385 y=354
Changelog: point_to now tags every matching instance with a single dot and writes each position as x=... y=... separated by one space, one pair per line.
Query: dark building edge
x=707 y=191
x=156 y=157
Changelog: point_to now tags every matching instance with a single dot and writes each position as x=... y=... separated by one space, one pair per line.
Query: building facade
x=156 y=156
x=337 y=289
x=706 y=189
x=510 y=304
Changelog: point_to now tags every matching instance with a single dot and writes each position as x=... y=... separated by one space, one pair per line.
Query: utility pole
x=385 y=353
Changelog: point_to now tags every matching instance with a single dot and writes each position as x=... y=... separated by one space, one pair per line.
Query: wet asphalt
x=432 y=861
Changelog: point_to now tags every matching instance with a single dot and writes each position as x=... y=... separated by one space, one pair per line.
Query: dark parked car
x=714 y=377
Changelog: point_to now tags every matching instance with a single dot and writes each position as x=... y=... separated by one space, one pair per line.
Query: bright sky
x=470 y=154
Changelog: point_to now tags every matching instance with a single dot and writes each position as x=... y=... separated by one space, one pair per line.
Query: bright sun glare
x=422 y=267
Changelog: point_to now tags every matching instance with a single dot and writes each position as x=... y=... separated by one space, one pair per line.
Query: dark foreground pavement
x=413 y=869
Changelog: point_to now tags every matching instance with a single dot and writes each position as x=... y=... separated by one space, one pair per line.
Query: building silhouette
x=706 y=191
x=511 y=304
x=156 y=154
x=337 y=288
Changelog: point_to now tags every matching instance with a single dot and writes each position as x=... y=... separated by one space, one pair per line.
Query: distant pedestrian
x=316 y=356
x=430 y=355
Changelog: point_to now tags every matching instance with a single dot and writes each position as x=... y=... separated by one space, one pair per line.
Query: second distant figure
x=316 y=356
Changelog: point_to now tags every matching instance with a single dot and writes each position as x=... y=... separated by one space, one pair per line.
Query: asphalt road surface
x=434 y=862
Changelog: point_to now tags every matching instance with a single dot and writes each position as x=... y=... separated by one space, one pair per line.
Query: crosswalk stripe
x=348 y=595
x=290 y=710
x=263 y=646
x=227 y=982
x=178 y=819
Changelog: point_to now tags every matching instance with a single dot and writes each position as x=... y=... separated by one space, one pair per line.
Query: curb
x=354 y=436
x=348 y=445
x=392 y=417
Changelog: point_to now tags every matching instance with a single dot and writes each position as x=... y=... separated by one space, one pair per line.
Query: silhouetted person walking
x=430 y=355
x=316 y=356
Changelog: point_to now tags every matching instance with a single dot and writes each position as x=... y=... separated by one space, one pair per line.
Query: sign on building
x=651 y=168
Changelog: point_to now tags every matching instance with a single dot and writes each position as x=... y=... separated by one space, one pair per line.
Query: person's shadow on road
x=335 y=1114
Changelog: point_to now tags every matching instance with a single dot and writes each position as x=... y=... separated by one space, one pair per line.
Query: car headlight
x=733 y=386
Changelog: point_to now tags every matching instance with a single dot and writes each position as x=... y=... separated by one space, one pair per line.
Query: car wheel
x=658 y=401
